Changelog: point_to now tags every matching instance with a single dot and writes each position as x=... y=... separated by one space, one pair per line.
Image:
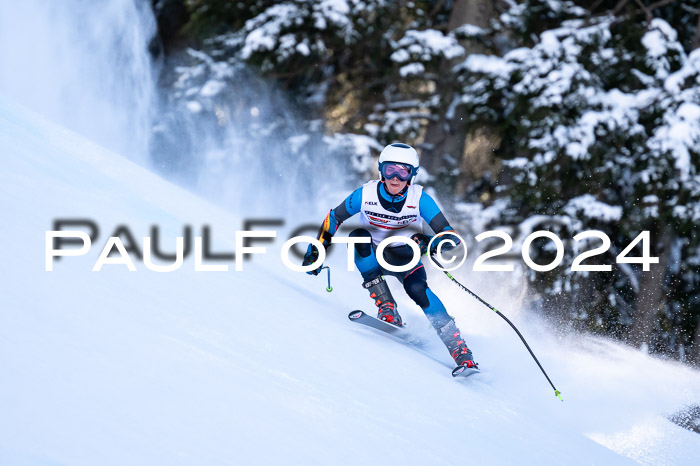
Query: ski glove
x=310 y=257
x=423 y=241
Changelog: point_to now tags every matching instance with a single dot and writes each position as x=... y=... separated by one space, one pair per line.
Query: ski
x=403 y=335
x=362 y=318
x=464 y=371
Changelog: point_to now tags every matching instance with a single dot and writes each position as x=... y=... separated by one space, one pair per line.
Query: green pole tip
x=329 y=289
x=558 y=394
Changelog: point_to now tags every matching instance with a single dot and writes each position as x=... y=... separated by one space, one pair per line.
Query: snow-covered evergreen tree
x=601 y=127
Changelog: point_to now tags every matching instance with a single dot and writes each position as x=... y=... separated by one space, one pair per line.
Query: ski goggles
x=390 y=170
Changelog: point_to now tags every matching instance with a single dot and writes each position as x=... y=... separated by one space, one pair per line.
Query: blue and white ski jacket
x=384 y=214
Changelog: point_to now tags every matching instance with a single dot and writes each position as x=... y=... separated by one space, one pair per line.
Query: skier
x=393 y=206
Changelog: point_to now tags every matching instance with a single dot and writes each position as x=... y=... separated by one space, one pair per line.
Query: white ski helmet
x=402 y=154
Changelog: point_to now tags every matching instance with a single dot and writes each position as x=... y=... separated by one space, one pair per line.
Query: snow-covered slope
x=262 y=366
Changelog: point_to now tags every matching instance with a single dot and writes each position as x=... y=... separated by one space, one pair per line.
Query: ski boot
x=379 y=291
x=451 y=337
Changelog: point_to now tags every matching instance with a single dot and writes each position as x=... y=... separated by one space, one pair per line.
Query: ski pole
x=329 y=288
x=557 y=393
